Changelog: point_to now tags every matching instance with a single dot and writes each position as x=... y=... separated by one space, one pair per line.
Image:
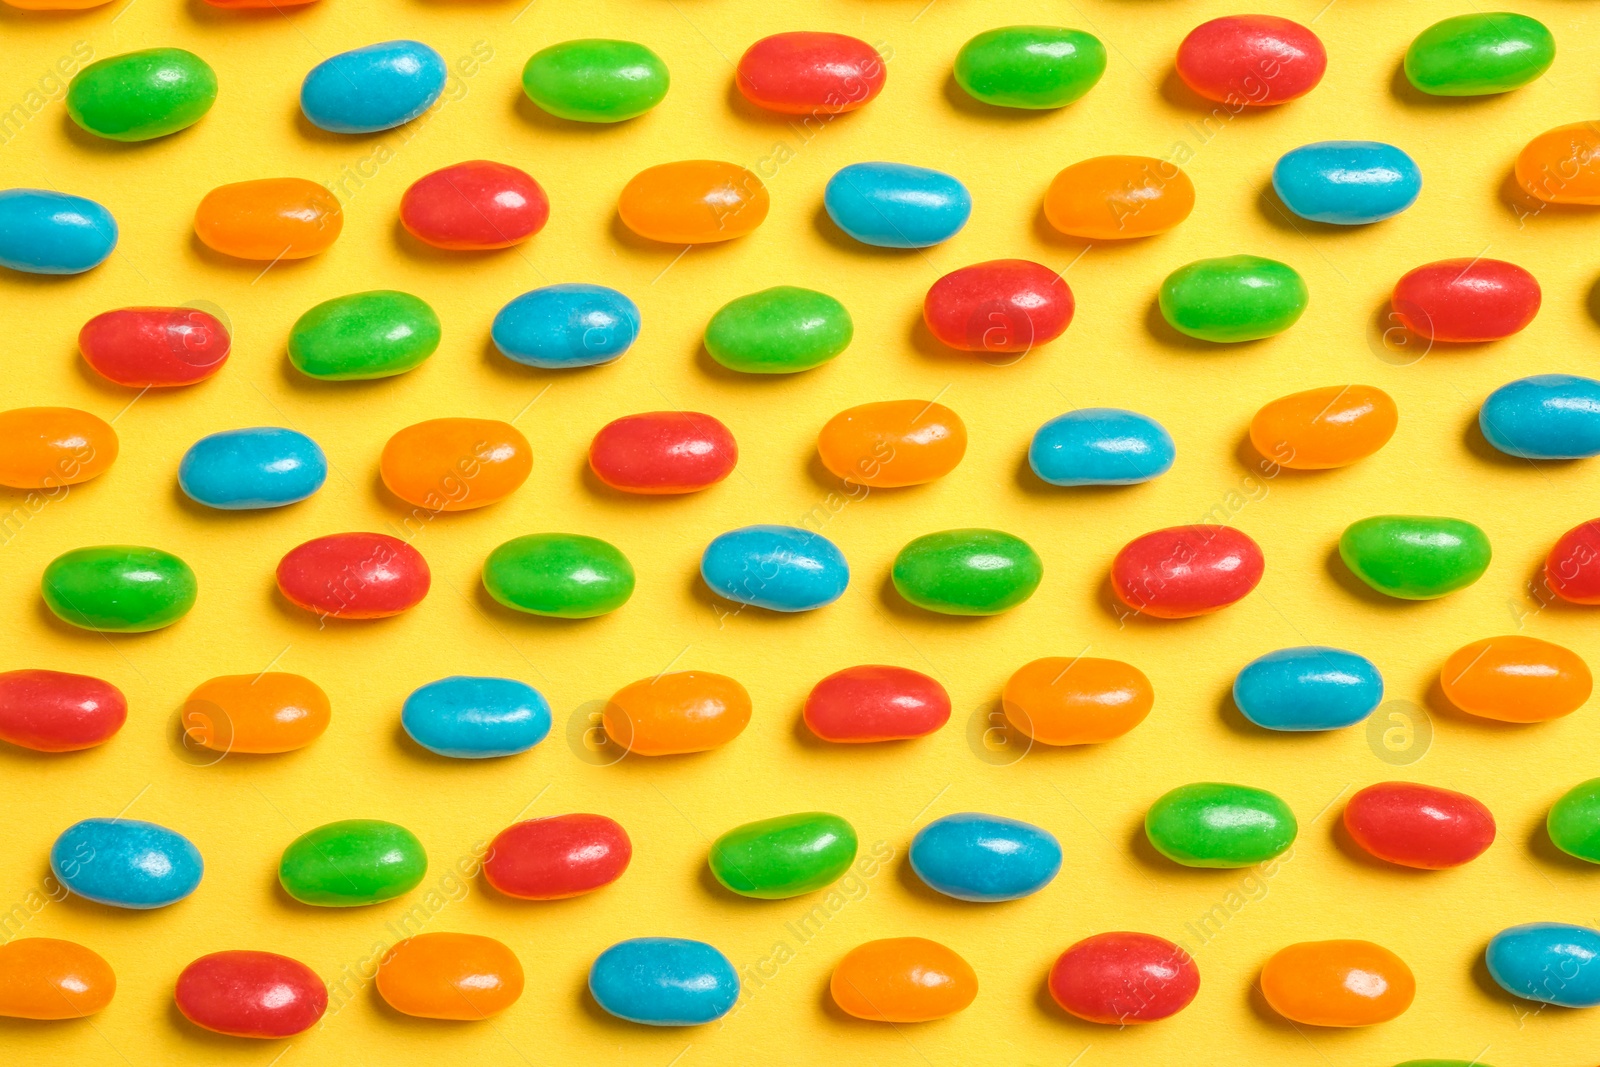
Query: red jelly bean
x=1573 y=566
x=873 y=703
x=354 y=576
x=662 y=452
x=1120 y=978
x=1184 y=571
x=562 y=856
x=1466 y=300
x=251 y=994
x=1251 y=60
x=1004 y=305
x=474 y=205
x=811 y=73
x=50 y=711
x=1419 y=825
x=160 y=347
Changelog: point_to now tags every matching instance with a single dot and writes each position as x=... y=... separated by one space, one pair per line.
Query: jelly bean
x=374 y=88
x=1337 y=983
x=1415 y=557
x=1320 y=429
x=664 y=981
x=902 y=980
x=142 y=95
x=45 y=232
x=780 y=568
x=256 y=713
x=56 y=5
x=1101 y=446
x=696 y=201
x=896 y=205
x=803 y=73
x=476 y=718
x=1347 y=183
x=43 y=978
x=474 y=205
x=1184 y=571
x=557 y=857
x=119 y=588
x=1251 y=60
x=567 y=325
x=262 y=467
x=780 y=330
x=596 y=80
x=1466 y=300
x=1516 y=679
x=1004 y=305
x=893 y=443
x=354 y=576
x=875 y=703
x=1079 y=701
x=1574 y=821
x=967 y=572
x=1112 y=198
x=1233 y=298
x=1546 y=416
x=376 y=334
x=52 y=711
x=244 y=993
x=985 y=858
x=567 y=576
x=464 y=977
x=1562 y=166
x=126 y=863
x=1120 y=978
x=145 y=347
x=1419 y=825
x=1573 y=567
x=1553 y=963
x=670 y=714
x=351 y=863
x=663 y=452
x=456 y=464
x=1214 y=824
x=1309 y=688
x=1479 y=54
x=269 y=219
x=783 y=857
x=47 y=448
x=1035 y=67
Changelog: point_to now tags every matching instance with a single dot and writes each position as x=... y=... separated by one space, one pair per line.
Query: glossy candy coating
x=373 y=88
x=1308 y=688
x=557 y=857
x=476 y=718
x=902 y=980
x=568 y=325
x=1562 y=166
x=1516 y=678
x=1478 y=54
x=1347 y=183
x=353 y=862
x=44 y=978
x=364 y=335
x=893 y=443
x=875 y=703
x=897 y=205
x=696 y=201
x=52 y=711
x=780 y=568
x=1077 y=701
x=269 y=219
x=663 y=452
x=1573 y=567
x=1233 y=298
x=671 y=714
x=260 y=467
x=126 y=863
x=119 y=588
x=1251 y=60
x=567 y=576
x=1574 y=821
x=1213 y=824
x=144 y=347
x=967 y=572
x=1337 y=983
x=1003 y=305
x=456 y=464
x=56 y=5
x=1415 y=557
x=1115 y=198
x=1463 y=300
x=596 y=80
x=985 y=858
x=1554 y=963
x=243 y=993
x=46 y=232
x=354 y=576
x=785 y=856
x=664 y=981
x=1120 y=978
x=1101 y=446
x=48 y=448
x=464 y=977
x=473 y=206
x=1546 y=416
x=1419 y=826
x=256 y=713
x=1184 y=571
x=1033 y=67
x=1320 y=429
x=780 y=330
x=807 y=73
x=141 y=95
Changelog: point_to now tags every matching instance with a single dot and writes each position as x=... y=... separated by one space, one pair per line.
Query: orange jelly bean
x=1111 y=198
x=1082 y=701
x=893 y=443
x=43 y=978
x=56 y=5
x=464 y=977
x=1562 y=166
x=43 y=448
x=689 y=711
x=694 y=202
x=1516 y=679
x=1338 y=983
x=1323 y=428
x=903 y=980
x=456 y=464
x=256 y=713
x=270 y=218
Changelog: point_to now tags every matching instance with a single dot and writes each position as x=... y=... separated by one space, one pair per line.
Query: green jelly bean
x=1234 y=298
x=1030 y=66
x=364 y=335
x=1443 y=1063
x=354 y=862
x=141 y=95
x=967 y=572
x=1212 y=824
x=569 y=576
x=779 y=331
x=784 y=857
x=119 y=588
x=1574 y=821
x=1479 y=54
x=1415 y=557
x=596 y=80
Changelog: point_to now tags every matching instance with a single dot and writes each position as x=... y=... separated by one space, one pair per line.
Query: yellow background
x=242 y=811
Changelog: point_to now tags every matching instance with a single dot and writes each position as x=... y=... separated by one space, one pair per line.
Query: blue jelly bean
x=781 y=568
x=1547 y=416
x=373 y=88
x=42 y=232
x=1347 y=182
x=1550 y=962
x=985 y=857
x=568 y=325
x=664 y=981
x=1101 y=446
x=1309 y=688
x=262 y=467
x=126 y=863
x=895 y=205
x=476 y=718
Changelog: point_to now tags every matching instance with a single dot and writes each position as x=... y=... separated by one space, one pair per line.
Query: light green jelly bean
x=1415 y=557
x=596 y=80
x=779 y=331
x=1030 y=66
x=119 y=588
x=967 y=572
x=1574 y=821
x=364 y=335
x=141 y=95
x=1479 y=54
x=784 y=857
x=1213 y=824
x=1234 y=298
x=568 y=576
x=350 y=863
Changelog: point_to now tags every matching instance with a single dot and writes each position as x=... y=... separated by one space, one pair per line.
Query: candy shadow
x=502 y=615
x=913 y=884
x=1481 y=449
x=1339 y=834
x=707 y=365
x=1527 y=208
x=967 y=104
x=207 y=14
x=222 y=1046
x=503 y=366
x=1047 y=234
x=61 y=628
x=1047 y=1006
x=1277 y=214
x=291 y=377
x=830 y=232
x=1440 y=706
x=1401 y=89
x=1592 y=301
x=1176 y=92
x=930 y=347
x=85 y=141
x=1265 y=1013
x=746 y=111
x=421 y=251
x=1342 y=576
x=1164 y=334
x=622 y=1029
x=534 y=115
x=257 y=268
x=1543 y=597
